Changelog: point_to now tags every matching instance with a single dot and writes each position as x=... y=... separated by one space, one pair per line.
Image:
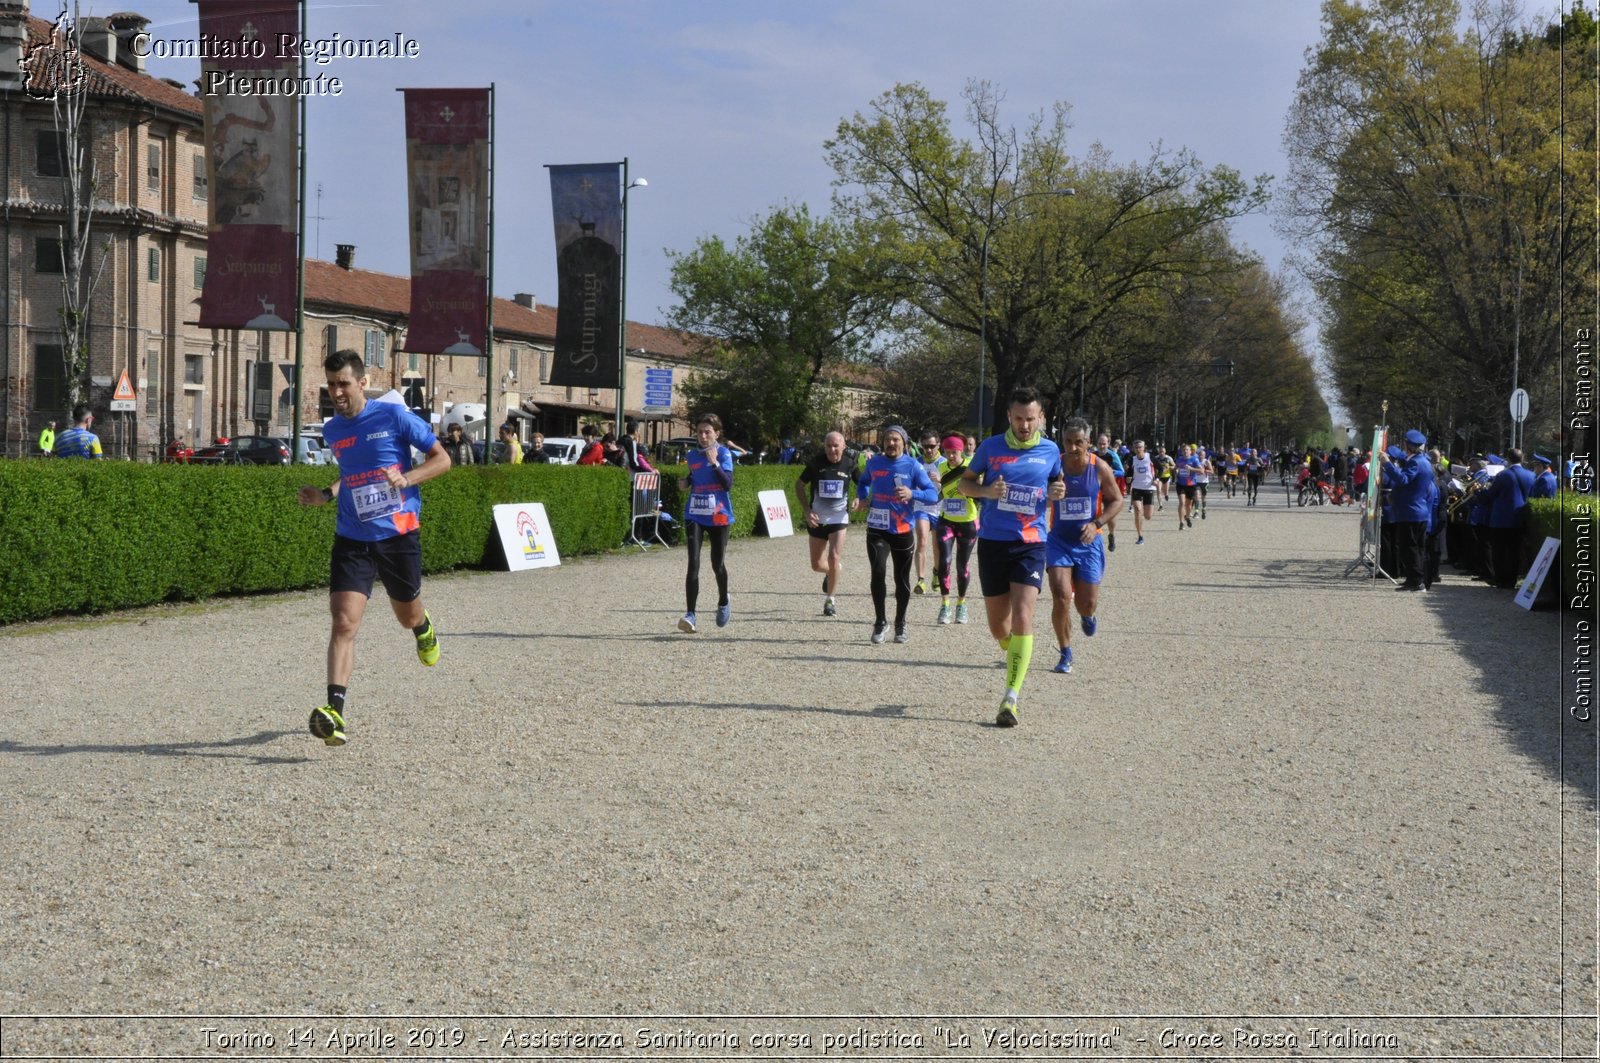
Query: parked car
x=563 y=450
x=313 y=449
x=245 y=450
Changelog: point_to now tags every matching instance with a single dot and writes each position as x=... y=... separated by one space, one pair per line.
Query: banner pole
x=300 y=267
x=622 y=306
x=488 y=331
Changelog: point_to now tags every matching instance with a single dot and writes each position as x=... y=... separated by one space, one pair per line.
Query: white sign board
x=1535 y=577
x=775 y=509
x=1519 y=405
x=525 y=536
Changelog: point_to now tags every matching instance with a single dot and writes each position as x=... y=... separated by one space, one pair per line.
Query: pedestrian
x=78 y=441
x=592 y=453
x=1074 y=558
x=377 y=531
x=823 y=491
x=611 y=451
x=633 y=458
x=536 y=454
x=458 y=446
x=47 y=440
x=708 y=514
x=510 y=444
x=892 y=485
x=1016 y=475
x=958 y=532
x=1108 y=454
x=1412 y=486
x=1142 y=481
x=1186 y=471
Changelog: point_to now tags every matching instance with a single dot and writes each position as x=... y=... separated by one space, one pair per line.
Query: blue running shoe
x=1090 y=625
x=724 y=613
x=687 y=624
x=1064 y=666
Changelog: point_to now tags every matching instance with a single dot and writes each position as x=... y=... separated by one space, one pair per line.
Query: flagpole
x=300 y=266
x=622 y=306
x=488 y=332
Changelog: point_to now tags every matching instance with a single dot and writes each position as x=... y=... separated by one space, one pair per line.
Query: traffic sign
x=1519 y=405
x=124 y=399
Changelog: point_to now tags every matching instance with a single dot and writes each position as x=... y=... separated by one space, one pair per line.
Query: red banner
x=447 y=166
x=252 y=158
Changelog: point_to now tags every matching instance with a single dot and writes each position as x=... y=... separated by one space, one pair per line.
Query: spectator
x=536 y=454
x=786 y=453
x=611 y=452
x=458 y=446
x=593 y=452
x=1359 y=474
x=78 y=441
x=632 y=458
x=511 y=446
x=1507 y=499
x=47 y=440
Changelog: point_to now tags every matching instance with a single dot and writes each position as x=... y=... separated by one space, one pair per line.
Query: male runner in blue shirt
x=376 y=534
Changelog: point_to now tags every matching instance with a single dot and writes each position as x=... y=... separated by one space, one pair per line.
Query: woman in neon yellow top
x=958 y=531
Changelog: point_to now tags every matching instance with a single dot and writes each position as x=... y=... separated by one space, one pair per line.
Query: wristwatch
x=327 y=494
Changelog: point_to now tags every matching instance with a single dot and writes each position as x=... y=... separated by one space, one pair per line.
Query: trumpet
x=1465 y=496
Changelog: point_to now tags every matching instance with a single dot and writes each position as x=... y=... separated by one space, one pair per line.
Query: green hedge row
x=1571 y=518
x=89 y=537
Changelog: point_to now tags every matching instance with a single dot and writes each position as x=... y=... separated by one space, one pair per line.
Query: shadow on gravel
x=1524 y=677
x=882 y=712
x=221 y=749
x=913 y=662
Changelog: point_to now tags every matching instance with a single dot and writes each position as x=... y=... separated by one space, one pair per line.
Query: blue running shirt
x=708 y=502
x=1020 y=516
x=379 y=437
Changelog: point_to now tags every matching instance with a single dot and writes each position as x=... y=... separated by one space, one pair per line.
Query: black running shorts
x=1003 y=562
x=397 y=561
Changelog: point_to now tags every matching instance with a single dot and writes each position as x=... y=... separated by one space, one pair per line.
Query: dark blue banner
x=587 y=204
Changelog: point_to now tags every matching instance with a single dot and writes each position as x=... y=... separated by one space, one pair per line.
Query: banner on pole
x=447 y=174
x=587 y=203
x=252 y=164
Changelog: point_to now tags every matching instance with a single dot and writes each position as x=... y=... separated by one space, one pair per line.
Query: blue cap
x=1540 y=459
x=1395 y=453
x=1416 y=438
x=1494 y=459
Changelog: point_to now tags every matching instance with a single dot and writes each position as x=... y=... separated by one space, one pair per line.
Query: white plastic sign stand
x=525 y=536
x=775 y=509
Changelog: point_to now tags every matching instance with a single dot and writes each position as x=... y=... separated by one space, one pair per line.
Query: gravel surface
x=1266 y=790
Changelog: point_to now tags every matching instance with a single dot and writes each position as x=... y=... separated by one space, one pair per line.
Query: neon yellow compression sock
x=1018 y=654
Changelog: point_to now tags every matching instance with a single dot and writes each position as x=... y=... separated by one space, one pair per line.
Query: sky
x=723 y=107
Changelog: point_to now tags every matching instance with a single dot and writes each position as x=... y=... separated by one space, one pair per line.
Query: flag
x=447 y=168
x=587 y=202
x=252 y=164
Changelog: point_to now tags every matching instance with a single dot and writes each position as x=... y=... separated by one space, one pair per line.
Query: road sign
x=1519 y=405
x=658 y=389
x=124 y=399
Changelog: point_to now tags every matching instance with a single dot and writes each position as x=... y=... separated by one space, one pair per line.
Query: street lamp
x=983 y=294
x=1516 y=314
x=622 y=296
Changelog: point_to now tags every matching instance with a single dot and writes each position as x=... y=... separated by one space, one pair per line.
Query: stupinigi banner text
x=587 y=203
x=447 y=168
x=252 y=163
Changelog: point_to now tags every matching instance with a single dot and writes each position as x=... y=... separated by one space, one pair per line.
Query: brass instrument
x=1464 y=497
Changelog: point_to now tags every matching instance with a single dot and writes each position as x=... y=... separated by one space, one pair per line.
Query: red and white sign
x=124 y=399
x=525 y=536
x=775 y=511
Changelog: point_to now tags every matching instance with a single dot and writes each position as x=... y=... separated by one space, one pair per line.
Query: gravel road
x=1269 y=798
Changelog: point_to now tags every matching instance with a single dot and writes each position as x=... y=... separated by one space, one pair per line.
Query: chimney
x=344 y=255
x=524 y=299
x=13 y=40
x=127 y=25
x=98 y=39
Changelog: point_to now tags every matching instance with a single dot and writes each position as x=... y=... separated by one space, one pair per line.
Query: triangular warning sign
x=124 y=392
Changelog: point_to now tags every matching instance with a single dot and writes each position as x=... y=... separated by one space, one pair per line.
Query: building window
x=412 y=360
x=51 y=160
x=47 y=255
x=194 y=369
x=49 y=377
x=516 y=361
x=594 y=394
x=201 y=181
x=153 y=263
x=200 y=271
x=375 y=353
x=152 y=169
x=330 y=339
x=152 y=388
x=544 y=367
x=481 y=368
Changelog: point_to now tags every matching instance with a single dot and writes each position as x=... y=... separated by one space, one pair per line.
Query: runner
x=377 y=531
x=1255 y=467
x=1142 y=468
x=1017 y=475
x=1186 y=472
x=1073 y=556
x=1164 y=466
x=1203 y=480
x=1231 y=463
x=1108 y=454
x=823 y=491
x=707 y=515
x=958 y=531
x=927 y=516
x=895 y=482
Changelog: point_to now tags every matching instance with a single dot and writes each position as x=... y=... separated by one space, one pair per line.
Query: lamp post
x=622 y=297
x=983 y=294
x=1516 y=312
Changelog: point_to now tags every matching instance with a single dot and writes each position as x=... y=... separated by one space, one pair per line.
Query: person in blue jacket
x=1544 y=478
x=891 y=484
x=1411 y=490
x=1507 y=499
x=708 y=514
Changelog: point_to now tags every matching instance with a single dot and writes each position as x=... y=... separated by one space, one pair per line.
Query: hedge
x=89 y=537
x=1571 y=518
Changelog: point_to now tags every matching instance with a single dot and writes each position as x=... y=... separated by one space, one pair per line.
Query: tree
x=778 y=313
x=976 y=236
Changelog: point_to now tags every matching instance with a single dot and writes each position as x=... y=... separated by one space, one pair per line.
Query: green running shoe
x=1007 y=716
x=328 y=725
x=428 y=644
